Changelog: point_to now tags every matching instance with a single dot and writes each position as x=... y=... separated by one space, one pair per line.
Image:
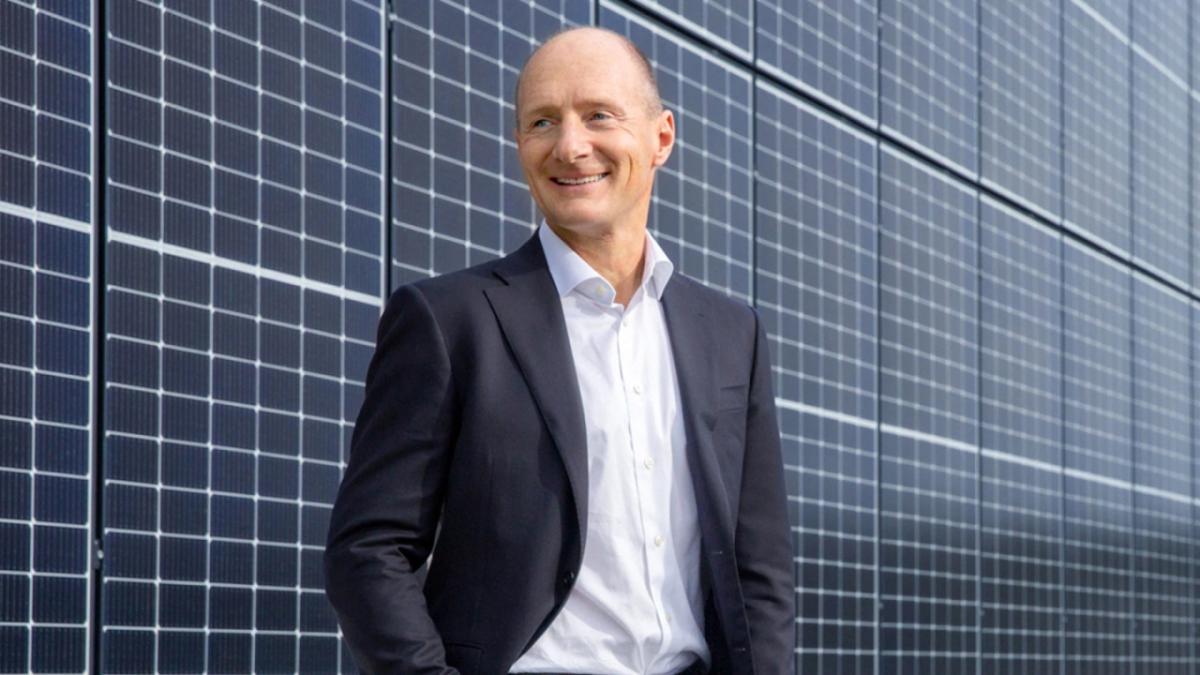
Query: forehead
x=582 y=65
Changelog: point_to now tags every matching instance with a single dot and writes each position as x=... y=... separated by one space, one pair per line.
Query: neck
x=617 y=254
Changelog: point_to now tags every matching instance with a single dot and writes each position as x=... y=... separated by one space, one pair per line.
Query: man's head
x=591 y=130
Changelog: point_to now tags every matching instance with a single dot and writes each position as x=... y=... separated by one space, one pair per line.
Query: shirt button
x=648 y=462
x=637 y=389
x=658 y=541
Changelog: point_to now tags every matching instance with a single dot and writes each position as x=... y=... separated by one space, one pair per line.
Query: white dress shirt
x=635 y=608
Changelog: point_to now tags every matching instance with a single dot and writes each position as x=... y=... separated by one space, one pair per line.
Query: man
x=591 y=436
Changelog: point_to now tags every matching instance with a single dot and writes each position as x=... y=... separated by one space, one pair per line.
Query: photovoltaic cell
x=1096 y=130
x=701 y=213
x=46 y=324
x=929 y=473
x=1098 y=463
x=458 y=192
x=929 y=77
x=815 y=280
x=827 y=48
x=1160 y=171
x=244 y=277
x=1164 y=548
x=730 y=22
x=1021 y=100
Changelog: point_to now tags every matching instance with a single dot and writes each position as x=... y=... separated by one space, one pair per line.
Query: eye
x=541 y=123
x=601 y=116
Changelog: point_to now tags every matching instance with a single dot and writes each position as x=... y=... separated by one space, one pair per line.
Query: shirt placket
x=636 y=388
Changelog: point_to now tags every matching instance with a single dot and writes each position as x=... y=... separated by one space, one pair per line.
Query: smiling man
x=590 y=435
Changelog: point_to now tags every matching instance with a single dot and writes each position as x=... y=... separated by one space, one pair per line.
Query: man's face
x=587 y=135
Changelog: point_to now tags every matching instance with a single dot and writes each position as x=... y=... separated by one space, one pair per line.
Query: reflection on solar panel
x=46 y=323
x=967 y=226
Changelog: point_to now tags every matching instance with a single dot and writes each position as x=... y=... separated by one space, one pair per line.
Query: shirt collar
x=569 y=270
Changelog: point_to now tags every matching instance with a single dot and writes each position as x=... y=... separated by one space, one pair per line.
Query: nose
x=573 y=143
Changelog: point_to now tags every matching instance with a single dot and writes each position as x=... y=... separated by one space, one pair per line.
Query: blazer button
x=568 y=578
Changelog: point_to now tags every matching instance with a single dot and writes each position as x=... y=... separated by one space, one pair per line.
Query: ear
x=665 y=134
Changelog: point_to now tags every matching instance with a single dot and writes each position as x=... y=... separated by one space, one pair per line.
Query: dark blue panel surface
x=1021 y=438
x=730 y=22
x=1098 y=461
x=1161 y=29
x=233 y=260
x=1021 y=100
x=929 y=79
x=1164 y=548
x=929 y=461
x=815 y=281
x=815 y=253
x=928 y=301
x=1096 y=130
x=1160 y=171
x=828 y=48
x=46 y=333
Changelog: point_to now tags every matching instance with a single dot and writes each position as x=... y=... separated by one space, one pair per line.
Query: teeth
x=580 y=181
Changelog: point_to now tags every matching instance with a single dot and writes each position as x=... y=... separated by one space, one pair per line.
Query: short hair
x=640 y=58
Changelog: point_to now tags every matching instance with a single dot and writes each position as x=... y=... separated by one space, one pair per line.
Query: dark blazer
x=472 y=429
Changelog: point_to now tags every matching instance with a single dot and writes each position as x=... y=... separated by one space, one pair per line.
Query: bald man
x=590 y=434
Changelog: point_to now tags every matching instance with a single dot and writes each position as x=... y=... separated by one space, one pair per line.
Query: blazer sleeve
x=763 y=542
x=385 y=516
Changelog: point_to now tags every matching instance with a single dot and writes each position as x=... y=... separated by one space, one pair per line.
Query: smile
x=580 y=181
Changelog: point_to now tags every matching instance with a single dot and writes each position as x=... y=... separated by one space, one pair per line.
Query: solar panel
x=701 y=213
x=1098 y=463
x=245 y=197
x=46 y=324
x=928 y=403
x=815 y=248
x=458 y=191
x=729 y=23
x=1021 y=509
x=828 y=49
x=983 y=332
x=1021 y=101
x=1160 y=171
x=929 y=78
x=1160 y=29
x=1164 y=547
x=1096 y=129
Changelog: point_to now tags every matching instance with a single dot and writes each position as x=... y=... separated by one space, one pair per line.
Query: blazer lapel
x=530 y=314
x=694 y=346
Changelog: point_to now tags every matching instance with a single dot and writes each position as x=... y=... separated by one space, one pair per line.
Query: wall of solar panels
x=970 y=227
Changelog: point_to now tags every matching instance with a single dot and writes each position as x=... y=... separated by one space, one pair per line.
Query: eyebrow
x=544 y=109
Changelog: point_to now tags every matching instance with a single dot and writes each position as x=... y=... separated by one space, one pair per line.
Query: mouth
x=579 y=180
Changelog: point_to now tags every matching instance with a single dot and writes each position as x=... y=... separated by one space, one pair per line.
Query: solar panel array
x=969 y=228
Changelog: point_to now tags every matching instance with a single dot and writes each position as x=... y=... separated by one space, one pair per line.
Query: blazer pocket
x=465 y=658
x=732 y=397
